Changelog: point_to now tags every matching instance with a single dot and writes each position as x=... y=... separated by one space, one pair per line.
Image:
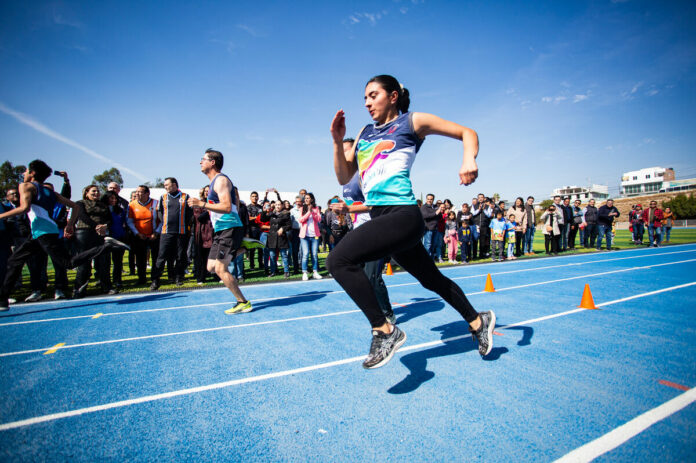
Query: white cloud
x=61 y=20
x=636 y=87
x=579 y=98
x=547 y=99
x=39 y=127
x=652 y=92
x=229 y=45
x=250 y=30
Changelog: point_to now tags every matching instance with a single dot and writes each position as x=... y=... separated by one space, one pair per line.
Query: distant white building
x=686 y=184
x=596 y=192
x=645 y=181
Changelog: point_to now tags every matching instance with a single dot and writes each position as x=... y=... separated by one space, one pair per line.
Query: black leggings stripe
x=395 y=231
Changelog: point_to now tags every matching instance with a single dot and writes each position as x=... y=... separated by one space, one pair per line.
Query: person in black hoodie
x=605 y=219
x=567 y=211
x=589 y=218
x=277 y=240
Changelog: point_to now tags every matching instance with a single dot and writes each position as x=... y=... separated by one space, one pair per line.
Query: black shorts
x=225 y=243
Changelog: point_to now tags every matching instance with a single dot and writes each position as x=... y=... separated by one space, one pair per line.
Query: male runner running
x=38 y=202
x=222 y=204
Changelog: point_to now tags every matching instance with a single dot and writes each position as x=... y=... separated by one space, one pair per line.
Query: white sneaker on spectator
x=34 y=297
x=59 y=295
x=316 y=275
x=11 y=300
x=305 y=277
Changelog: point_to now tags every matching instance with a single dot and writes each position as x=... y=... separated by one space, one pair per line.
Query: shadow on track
x=421 y=308
x=86 y=303
x=417 y=362
x=301 y=298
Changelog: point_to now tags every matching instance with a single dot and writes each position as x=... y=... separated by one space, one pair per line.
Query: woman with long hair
x=310 y=218
x=520 y=213
x=91 y=228
x=202 y=238
x=383 y=154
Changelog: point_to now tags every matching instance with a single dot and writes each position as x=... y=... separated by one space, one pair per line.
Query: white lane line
x=299 y=296
x=247 y=325
x=623 y=433
x=279 y=374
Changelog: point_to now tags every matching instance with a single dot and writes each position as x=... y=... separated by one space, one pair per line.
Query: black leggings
x=395 y=231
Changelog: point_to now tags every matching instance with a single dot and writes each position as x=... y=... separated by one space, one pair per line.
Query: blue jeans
x=236 y=267
x=529 y=239
x=273 y=253
x=666 y=231
x=638 y=231
x=429 y=240
x=474 y=240
x=565 y=229
x=466 y=250
x=604 y=230
x=306 y=242
x=654 y=234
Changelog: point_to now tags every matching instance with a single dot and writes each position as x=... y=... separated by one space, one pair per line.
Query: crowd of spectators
x=167 y=232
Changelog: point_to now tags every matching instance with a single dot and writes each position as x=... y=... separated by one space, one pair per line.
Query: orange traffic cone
x=489 y=285
x=587 y=301
x=389 y=269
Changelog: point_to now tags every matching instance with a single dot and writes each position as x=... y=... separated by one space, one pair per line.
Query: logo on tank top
x=371 y=152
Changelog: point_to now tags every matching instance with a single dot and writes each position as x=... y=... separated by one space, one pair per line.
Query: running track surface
x=168 y=376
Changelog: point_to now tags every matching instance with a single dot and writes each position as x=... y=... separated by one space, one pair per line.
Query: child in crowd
x=466 y=240
x=498 y=227
x=451 y=237
x=510 y=228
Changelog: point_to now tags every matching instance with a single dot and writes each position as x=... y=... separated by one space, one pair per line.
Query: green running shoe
x=241 y=307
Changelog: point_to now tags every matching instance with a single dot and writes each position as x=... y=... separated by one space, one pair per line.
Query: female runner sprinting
x=383 y=154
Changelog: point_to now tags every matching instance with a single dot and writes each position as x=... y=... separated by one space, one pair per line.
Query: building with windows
x=584 y=194
x=687 y=184
x=645 y=181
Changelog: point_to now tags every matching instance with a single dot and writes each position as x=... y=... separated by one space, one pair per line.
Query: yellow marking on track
x=54 y=349
x=97 y=315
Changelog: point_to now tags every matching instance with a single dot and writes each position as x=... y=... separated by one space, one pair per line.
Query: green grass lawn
x=130 y=285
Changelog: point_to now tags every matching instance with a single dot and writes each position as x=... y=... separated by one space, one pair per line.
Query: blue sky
x=560 y=93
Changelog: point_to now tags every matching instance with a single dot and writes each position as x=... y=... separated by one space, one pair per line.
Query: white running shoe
x=59 y=295
x=34 y=297
x=316 y=275
x=305 y=277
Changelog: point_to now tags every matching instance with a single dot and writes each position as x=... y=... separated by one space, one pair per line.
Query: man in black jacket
x=605 y=219
x=589 y=218
x=431 y=215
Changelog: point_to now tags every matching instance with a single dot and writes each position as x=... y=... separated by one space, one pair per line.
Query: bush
x=682 y=206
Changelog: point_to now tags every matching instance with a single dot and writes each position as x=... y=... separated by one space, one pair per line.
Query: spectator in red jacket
x=652 y=217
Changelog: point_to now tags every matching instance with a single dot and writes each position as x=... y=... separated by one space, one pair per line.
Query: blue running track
x=169 y=376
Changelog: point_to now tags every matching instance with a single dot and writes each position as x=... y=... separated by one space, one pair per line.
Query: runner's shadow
x=527 y=333
x=416 y=308
x=87 y=303
x=417 y=362
x=291 y=300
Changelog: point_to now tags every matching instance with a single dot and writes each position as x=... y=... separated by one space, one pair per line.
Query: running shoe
x=316 y=275
x=383 y=347
x=59 y=295
x=305 y=277
x=251 y=243
x=484 y=335
x=241 y=307
x=113 y=243
x=34 y=297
